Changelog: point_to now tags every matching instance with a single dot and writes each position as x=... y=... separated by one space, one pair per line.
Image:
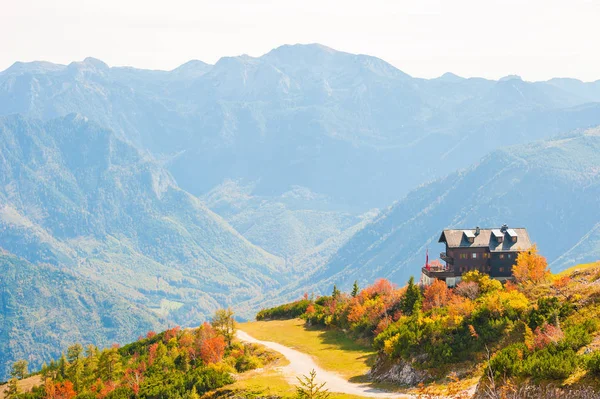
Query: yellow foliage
x=389 y=344
x=485 y=282
x=531 y=268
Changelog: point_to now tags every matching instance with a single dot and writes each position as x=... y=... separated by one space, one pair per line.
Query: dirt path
x=302 y=364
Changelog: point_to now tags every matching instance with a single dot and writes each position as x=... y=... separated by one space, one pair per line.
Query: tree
x=436 y=295
x=355 y=289
x=224 y=324
x=212 y=350
x=19 y=369
x=467 y=289
x=336 y=292
x=411 y=299
x=12 y=389
x=109 y=364
x=531 y=267
x=310 y=389
x=76 y=366
x=91 y=361
x=62 y=366
x=61 y=390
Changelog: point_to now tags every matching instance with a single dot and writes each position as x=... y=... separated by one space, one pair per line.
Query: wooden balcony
x=446 y=258
x=441 y=274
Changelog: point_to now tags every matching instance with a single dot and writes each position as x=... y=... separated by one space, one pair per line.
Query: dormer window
x=512 y=234
x=498 y=236
x=469 y=235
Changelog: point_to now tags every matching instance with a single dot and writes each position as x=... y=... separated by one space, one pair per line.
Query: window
x=474 y=255
x=501 y=256
x=509 y=256
x=463 y=256
x=501 y=269
x=486 y=255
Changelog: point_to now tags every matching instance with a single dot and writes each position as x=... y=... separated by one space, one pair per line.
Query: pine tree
x=336 y=293
x=90 y=362
x=109 y=364
x=310 y=389
x=412 y=298
x=76 y=367
x=355 y=289
x=62 y=367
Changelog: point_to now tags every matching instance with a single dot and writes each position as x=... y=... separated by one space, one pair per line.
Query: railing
x=446 y=258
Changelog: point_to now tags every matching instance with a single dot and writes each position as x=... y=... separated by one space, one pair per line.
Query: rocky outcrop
x=398 y=372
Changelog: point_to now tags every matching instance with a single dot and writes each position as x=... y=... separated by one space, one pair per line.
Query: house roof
x=458 y=238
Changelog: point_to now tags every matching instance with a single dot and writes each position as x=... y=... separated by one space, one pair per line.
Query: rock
x=399 y=372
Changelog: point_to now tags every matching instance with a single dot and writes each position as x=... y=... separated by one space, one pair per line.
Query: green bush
x=245 y=363
x=286 y=311
x=550 y=364
x=593 y=363
x=509 y=361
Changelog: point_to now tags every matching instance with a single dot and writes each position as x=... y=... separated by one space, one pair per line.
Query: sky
x=536 y=39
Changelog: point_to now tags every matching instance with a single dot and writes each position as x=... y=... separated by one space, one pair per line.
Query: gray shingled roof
x=457 y=239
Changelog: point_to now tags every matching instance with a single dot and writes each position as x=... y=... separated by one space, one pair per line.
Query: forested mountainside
x=74 y=196
x=238 y=183
x=350 y=127
x=551 y=187
x=45 y=308
x=176 y=363
x=293 y=225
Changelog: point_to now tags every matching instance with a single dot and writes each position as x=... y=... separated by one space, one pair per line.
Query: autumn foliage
x=178 y=364
x=531 y=267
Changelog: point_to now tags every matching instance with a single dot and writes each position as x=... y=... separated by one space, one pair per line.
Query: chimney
x=504 y=228
x=477 y=231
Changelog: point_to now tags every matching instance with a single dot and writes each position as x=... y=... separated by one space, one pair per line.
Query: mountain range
x=134 y=199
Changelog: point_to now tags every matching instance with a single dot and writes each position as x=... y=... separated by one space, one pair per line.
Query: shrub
x=246 y=362
x=593 y=363
x=509 y=361
x=549 y=364
x=286 y=311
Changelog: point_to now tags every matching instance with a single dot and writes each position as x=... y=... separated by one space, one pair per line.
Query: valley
x=133 y=200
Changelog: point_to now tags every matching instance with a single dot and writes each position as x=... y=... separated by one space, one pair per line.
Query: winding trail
x=302 y=364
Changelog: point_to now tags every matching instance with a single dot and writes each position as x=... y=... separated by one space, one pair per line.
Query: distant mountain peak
x=33 y=66
x=450 y=77
x=510 y=77
x=90 y=63
x=192 y=68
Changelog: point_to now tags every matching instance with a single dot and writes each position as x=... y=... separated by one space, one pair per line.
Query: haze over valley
x=136 y=199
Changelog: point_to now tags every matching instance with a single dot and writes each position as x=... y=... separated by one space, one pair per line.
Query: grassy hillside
x=542 y=330
x=333 y=350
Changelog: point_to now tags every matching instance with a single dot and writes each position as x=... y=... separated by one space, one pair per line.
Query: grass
x=332 y=350
x=25 y=385
x=265 y=382
x=581 y=267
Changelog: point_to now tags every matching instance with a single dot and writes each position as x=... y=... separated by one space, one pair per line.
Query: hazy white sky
x=536 y=39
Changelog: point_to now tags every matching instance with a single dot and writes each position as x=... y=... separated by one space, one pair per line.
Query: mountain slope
x=292 y=225
x=44 y=309
x=76 y=197
x=550 y=187
x=339 y=124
